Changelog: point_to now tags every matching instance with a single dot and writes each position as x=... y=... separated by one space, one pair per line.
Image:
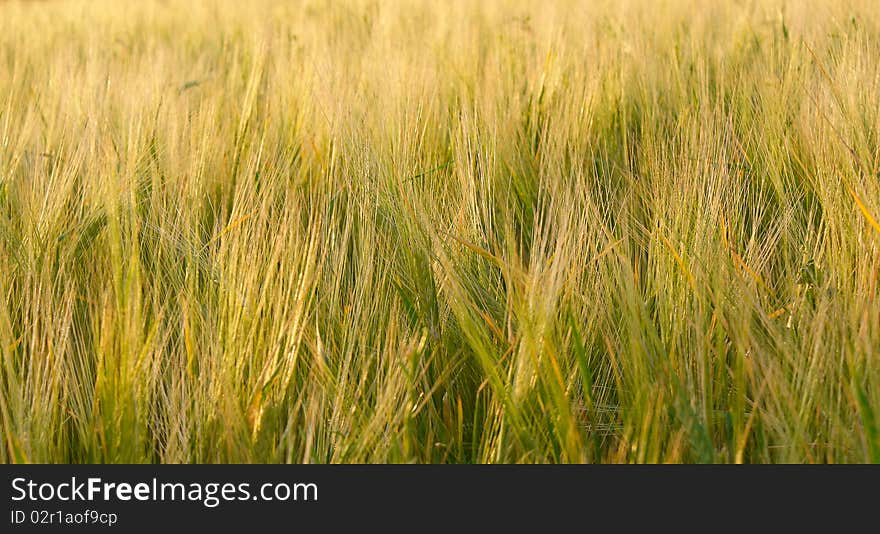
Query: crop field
x=612 y=231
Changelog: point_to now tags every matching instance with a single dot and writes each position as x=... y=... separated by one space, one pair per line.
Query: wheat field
x=465 y=232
